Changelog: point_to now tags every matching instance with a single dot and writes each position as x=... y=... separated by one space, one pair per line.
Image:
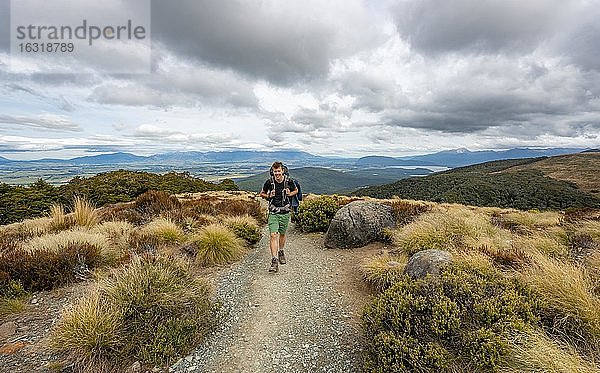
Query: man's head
x=277 y=168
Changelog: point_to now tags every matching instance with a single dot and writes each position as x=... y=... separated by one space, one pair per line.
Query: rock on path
x=297 y=320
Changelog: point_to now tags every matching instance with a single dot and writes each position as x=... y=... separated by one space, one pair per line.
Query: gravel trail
x=302 y=319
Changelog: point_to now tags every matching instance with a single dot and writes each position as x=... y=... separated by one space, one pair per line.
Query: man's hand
x=271 y=194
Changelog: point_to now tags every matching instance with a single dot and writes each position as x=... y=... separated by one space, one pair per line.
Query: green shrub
x=245 y=227
x=44 y=269
x=315 y=215
x=155 y=310
x=461 y=319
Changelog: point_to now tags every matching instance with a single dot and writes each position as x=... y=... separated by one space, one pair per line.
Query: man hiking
x=278 y=190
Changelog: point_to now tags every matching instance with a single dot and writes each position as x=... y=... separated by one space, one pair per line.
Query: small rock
x=7 y=329
x=427 y=262
x=134 y=368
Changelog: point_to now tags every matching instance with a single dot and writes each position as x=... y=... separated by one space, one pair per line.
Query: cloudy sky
x=345 y=77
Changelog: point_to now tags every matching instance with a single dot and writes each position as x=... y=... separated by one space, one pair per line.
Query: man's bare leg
x=274 y=244
x=281 y=241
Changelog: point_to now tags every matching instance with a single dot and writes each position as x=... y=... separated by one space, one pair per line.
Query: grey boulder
x=357 y=224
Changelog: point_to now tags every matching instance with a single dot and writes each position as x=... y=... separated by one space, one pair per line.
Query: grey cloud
x=167 y=136
x=433 y=26
x=276 y=41
x=189 y=87
x=46 y=121
x=579 y=42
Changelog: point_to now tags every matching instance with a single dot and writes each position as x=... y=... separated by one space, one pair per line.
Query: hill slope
x=556 y=182
x=326 y=181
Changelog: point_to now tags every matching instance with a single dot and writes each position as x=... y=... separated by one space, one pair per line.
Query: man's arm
x=293 y=191
x=266 y=193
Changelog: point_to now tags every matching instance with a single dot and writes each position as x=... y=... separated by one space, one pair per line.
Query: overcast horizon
x=338 y=78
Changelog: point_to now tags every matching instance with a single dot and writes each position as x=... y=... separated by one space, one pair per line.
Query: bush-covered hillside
x=495 y=183
x=18 y=202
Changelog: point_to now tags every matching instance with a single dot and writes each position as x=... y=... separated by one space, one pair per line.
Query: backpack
x=294 y=201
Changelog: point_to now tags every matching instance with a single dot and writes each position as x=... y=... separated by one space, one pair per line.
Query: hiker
x=277 y=190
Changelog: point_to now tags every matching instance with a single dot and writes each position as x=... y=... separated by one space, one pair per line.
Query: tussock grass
x=9 y=306
x=453 y=228
x=216 y=244
x=84 y=213
x=154 y=310
x=90 y=333
x=60 y=221
x=26 y=229
x=383 y=271
x=528 y=221
x=56 y=241
x=245 y=227
x=569 y=297
x=164 y=229
x=534 y=352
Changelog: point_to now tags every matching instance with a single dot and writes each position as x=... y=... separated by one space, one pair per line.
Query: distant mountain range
x=447 y=158
x=463 y=157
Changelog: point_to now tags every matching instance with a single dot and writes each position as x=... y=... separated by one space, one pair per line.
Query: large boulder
x=426 y=262
x=357 y=224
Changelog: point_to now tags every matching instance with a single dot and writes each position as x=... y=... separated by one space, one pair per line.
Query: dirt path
x=303 y=319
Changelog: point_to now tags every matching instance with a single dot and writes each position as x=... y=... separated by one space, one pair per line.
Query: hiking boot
x=281 y=257
x=274 y=265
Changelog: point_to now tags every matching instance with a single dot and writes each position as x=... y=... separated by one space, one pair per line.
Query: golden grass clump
x=90 y=333
x=216 y=244
x=528 y=221
x=26 y=229
x=450 y=228
x=533 y=352
x=84 y=213
x=164 y=229
x=55 y=241
x=154 y=311
x=383 y=271
x=568 y=294
x=60 y=221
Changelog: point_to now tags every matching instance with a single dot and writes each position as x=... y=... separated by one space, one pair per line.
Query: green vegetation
x=245 y=227
x=153 y=310
x=463 y=319
x=490 y=184
x=315 y=215
x=18 y=202
x=522 y=294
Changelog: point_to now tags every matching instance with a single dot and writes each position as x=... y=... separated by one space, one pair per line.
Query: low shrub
x=460 y=321
x=216 y=244
x=153 y=311
x=45 y=269
x=245 y=227
x=315 y=215
x=383 y=271
x=153 y=203
x=237 y=207
x=406 y=211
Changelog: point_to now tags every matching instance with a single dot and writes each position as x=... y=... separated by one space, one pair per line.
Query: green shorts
x=279 y=222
